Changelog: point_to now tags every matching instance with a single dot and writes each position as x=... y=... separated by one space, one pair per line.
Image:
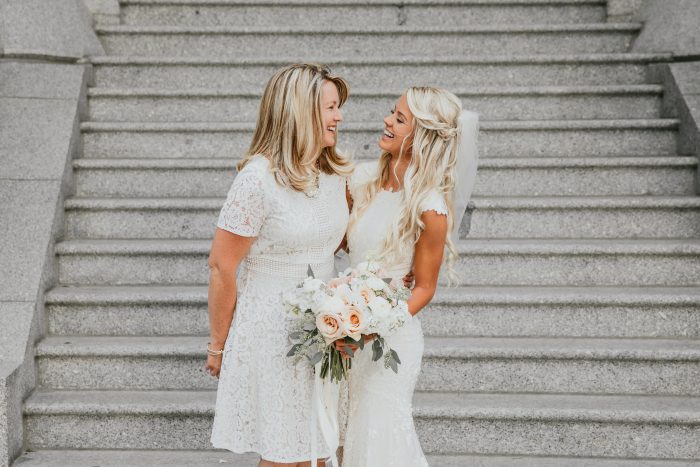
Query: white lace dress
x=380 y=429
x=263 y=402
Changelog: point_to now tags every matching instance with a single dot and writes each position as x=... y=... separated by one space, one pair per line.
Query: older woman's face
x=397 y=128
x=330 y=113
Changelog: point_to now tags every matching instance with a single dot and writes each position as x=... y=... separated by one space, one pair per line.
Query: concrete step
x=243 y=75
x=497 y=217
x=294 y=43
x=661 y=427
x=555 y=262
x=577 y=138
x=593 y=176
x=512 y=103
x=481 y=364
x=375 y=14
x=585 y=217
x=179 y=458
x=143 y=458
x=651 y=312
x=192 y=458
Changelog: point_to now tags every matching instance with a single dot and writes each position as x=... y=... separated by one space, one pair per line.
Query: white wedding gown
x=380 y=429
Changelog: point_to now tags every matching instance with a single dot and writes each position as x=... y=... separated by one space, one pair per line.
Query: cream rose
x=366 y=293
x=355 y=323
x=330 y=325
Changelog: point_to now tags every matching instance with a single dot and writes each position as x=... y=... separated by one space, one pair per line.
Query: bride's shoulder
x=361 y=175
x=434 y=201
x=362 y=172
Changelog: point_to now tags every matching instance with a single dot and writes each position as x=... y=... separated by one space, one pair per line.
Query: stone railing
x=43 y=88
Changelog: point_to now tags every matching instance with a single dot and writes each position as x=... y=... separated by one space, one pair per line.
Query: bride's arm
x=428 y=257
x=227 y=252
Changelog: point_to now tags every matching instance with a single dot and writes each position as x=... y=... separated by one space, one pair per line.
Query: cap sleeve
x=245 y=209
x=435 y=202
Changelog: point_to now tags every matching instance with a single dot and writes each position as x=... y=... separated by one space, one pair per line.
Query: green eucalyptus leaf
x=394 y=366
x=315 y=358
x=394 y=355
x=293 y=350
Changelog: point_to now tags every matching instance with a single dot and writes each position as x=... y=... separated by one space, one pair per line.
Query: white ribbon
x=324 y=414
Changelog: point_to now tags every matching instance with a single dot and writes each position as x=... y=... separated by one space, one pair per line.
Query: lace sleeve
x=435 y=202
x=244 y=210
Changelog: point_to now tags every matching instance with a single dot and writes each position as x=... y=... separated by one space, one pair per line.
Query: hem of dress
x=283 y=460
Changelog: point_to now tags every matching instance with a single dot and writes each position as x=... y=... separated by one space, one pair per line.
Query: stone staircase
x=574 y=339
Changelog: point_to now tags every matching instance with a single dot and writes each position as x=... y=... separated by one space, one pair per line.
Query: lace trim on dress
x=435 y=202
x=244 y=211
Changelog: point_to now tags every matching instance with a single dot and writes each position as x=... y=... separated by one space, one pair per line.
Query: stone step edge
x=197 y=295
x=364 y=3
x=458 y=348
x=683 y=410
x=566 y=247
x=582 y=58
x=630 y=27
x=640 y=202
x=486 y=162
x=528 y=91
x=502 y=125
x=191 y=458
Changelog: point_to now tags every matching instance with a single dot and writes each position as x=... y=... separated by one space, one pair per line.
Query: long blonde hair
x=434 y=147
x=289 y=130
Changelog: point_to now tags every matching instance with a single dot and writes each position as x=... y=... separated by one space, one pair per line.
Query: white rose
x=334 y=305
x=380 y=307
x=375 y=283
x=311 y=284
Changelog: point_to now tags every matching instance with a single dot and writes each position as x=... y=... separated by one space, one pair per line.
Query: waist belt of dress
x=286 y=270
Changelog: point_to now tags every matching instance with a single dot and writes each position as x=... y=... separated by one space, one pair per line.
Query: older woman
x=286 y=210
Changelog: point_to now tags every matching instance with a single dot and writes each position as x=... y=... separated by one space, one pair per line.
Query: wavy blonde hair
x=289 y=130
x=433 y=152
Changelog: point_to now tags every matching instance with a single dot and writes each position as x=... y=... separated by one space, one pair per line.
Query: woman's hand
x=409 y=278
x=341 y=345
x=213 y=365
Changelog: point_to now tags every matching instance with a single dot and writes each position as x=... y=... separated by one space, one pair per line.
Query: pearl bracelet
x=214 y=352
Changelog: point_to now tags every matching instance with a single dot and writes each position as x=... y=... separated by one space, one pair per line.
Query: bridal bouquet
x=356 y=304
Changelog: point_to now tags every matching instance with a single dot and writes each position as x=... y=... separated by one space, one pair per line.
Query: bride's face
x=330 y=100
x=397 y=128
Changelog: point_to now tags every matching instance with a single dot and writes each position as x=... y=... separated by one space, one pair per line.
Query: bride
x=406 y=211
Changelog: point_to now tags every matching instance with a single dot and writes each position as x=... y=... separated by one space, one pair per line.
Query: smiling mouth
x=332 y=129
x=388 y=134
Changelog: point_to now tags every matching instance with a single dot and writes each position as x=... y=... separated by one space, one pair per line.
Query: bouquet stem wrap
x=324 y=415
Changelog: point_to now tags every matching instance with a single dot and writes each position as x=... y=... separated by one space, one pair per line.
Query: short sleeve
x=435 y=202
x=362 y=174
x=244 y=211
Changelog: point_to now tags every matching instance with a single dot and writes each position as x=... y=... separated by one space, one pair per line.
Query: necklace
x=312 y=191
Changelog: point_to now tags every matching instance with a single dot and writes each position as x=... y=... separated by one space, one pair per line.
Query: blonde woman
x=286 y=210
x=406 y=212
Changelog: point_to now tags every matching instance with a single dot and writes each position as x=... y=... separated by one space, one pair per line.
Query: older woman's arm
x=227 y=252
x=428 y=257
